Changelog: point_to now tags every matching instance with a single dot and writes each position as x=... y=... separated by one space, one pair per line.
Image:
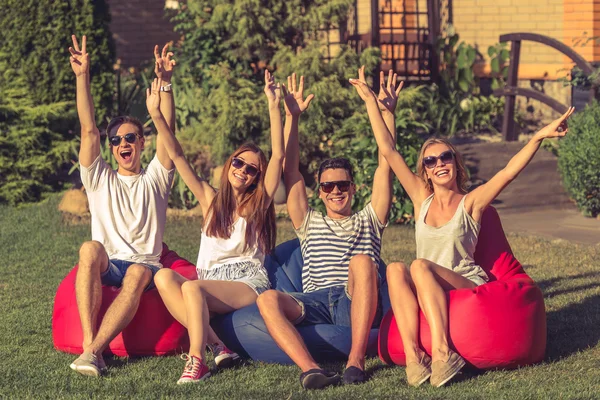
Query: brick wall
x=136 y=26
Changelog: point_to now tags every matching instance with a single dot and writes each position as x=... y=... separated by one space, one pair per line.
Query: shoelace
x=191 y=366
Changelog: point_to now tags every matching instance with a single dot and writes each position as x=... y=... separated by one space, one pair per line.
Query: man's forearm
x=85 y=105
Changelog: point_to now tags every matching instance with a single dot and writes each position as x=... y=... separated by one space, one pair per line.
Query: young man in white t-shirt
x=128 y=212
x=340 y=250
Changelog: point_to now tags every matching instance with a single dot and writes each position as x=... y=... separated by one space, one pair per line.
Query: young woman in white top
x=239 y=229
x=447 y=226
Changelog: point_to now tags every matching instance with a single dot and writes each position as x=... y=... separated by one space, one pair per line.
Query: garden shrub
x=37 y=107
x=578 y=161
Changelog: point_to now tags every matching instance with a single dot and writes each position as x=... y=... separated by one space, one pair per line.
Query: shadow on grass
x=573 y=328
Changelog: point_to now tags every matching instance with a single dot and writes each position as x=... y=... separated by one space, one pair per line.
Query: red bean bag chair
x=501 y=324
x=153 y=331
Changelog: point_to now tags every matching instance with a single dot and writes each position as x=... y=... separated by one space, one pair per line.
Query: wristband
x=166 y=88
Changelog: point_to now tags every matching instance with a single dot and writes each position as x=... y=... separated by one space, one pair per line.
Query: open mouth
x=126 y=154
x=240 y=177
x=441 y=173
x=337 y=199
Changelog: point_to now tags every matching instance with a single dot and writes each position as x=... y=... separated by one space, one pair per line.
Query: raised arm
x=297 y=203
x=163 y=68
x=199 y=187
x=477 y=200
x=90 y=135
x=414 y=186
x=273 y=173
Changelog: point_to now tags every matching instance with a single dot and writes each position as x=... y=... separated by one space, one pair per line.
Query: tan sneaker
x=443 y=371
x=418 y=372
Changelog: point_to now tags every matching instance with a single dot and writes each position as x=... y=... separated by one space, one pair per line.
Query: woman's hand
x=364 y=91
x=163 y=66
x=556 y=128
x=272 y=90
x=153 y=97
x=388 y=94
x=80 y=60
x=294 y=101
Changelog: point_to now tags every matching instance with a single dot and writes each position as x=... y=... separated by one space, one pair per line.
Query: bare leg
x=201 y=297
x=121 y=311
x=93 y=261
x=406 y=309
x=362 y=287
x=432 y=281
x=278 y=310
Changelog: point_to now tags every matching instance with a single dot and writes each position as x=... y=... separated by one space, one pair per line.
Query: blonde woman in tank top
x=239 y=229
x=447 y=227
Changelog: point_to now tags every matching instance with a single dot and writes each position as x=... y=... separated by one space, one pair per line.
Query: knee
x=419 y=268
x=397 y=271
x=192 y=288
x=91 y=251
x=163 y=277
x=268 y=301
x=137 y=277
x=362 y=265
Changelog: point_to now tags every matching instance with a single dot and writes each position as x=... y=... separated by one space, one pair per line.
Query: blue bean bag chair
x=244 y=330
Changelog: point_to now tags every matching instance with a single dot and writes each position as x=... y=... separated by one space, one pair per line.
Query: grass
x=38 y=250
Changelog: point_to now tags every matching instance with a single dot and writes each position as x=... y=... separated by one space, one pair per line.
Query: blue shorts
x=329 y=306
x=115 y=273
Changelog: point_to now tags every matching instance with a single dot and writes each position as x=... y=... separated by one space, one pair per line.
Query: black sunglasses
x=129 y=138
x=431 y=161
x=327 y=187
x=238 y=163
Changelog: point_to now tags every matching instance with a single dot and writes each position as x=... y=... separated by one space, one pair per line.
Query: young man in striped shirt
x=340 y=250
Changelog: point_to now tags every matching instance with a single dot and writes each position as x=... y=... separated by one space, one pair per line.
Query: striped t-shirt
x=329 y=244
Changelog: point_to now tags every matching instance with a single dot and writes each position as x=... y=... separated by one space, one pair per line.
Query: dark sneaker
x=195 y=370
x=353 y=375
x=443 y=371
x=87 y=364
x=224 y=358
x=102 y=366
x=318 y=379
x=418 y=372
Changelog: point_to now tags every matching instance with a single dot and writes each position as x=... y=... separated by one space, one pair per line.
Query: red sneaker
x=195 y=370
x=224 y=358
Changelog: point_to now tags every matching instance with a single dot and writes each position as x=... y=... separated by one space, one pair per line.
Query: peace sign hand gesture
x=80 y=60
x=388 y=95
x=293 y=97
x=556 y=128
x=163 y=66
x=272 y=90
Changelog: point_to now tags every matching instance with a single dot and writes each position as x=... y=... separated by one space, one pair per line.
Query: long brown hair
x=261 y=224
x=461 y=171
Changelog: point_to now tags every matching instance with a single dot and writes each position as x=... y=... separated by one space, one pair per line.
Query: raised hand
x=163 y=66
x=272 y=90
x=293 y=96
x=153 y=97
x=364 y=91
x=80 y=60
x=388 y=94
x=556 y=128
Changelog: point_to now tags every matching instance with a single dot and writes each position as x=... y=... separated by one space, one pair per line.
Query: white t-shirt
x=128 y=212
x=215 y=252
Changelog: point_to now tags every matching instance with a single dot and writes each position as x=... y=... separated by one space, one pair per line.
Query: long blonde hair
x=461 y=171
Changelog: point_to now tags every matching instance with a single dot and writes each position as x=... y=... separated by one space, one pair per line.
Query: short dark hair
x=336 y=163
x=116 y=122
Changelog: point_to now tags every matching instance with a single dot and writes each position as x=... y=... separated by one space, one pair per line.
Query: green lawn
x=38 y=250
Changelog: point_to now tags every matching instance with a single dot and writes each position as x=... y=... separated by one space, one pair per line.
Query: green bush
x=578 y=161
x=37 y=108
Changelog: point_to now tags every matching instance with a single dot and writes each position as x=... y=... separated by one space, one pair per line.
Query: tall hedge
x=37 y=86
x=579 y=159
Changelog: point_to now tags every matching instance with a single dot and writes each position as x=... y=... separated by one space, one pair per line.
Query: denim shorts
x=329 y=306
x=115 y=273
x=250 y=273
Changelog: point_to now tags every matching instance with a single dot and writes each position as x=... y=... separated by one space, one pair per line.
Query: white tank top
x=215 y=252
x=451 y=244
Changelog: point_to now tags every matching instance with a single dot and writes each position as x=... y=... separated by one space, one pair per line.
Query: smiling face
x=337 y=203
x=128 y=154
x=443 y=173
x=239 y=178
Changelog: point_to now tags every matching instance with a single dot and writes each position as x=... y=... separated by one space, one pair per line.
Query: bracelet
x=166 y=88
